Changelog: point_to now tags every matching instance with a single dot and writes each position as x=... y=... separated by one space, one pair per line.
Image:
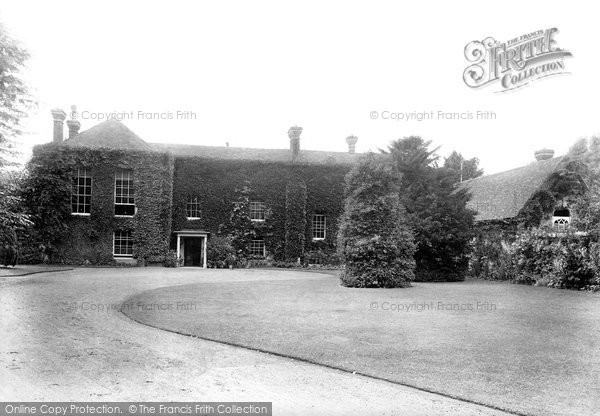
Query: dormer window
x=561 y=219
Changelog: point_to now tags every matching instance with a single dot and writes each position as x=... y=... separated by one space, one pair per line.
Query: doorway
x=193 y=251
x=191 y=248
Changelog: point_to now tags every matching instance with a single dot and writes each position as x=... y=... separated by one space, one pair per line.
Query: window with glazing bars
x=123 y=243
x=319 y=227
x=257 y=211
x=257 y=248
x=124 y=193
x=81 y=192
x=192 y=208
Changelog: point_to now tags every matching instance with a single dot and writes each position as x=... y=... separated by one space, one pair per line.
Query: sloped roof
x=504 y=194
x=266 y=155
x=110 y=133
x=114 y=134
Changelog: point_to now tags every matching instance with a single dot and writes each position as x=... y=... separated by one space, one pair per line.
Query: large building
x=133 y=201
x=125 y=200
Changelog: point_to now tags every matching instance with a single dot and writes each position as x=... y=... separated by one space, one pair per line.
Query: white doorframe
x=181 y=245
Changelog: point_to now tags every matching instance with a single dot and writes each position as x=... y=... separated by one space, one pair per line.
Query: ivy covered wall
x=292 y=193
x=213 y=182
x=490 y=257
x=58 y=236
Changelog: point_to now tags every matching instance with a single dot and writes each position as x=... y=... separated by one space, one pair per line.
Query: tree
x=442 y=224
x=14 y=103
x=461 y=168
x=412 y=158
x=15 y=99
x=445 y=229
x=12 y=218
x=374 y=240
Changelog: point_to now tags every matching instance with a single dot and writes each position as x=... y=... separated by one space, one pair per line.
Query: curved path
x=55 y=345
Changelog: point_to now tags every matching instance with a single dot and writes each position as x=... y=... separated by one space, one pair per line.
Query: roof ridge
x=250 y=148
x=535 y=162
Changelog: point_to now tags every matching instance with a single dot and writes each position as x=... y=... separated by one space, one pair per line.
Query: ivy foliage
x=226 y=213
x=524 y=250
x=563 y=188
x=241 y=230
x=374 y=239
x=295 y=217
x=57 y=236
x=541 y=258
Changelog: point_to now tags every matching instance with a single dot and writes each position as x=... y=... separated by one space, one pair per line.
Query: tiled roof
x=114 y=134
x=504 y=194
x=109 y=133
x=266 y=155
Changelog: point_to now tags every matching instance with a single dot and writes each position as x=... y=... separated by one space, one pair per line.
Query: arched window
x=561 y=218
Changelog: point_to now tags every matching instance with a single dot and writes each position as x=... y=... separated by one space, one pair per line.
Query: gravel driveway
x=57 y=345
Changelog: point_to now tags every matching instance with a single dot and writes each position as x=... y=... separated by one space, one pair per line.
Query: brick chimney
x=351 y=140
x=58 y=116
x=544 y=154
x=73 y=123
x=294 y=135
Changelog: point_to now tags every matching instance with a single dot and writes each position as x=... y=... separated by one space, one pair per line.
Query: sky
x=245 y=72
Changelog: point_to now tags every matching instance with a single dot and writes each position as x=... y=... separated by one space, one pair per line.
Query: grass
x=527 y=349
x=24 y=270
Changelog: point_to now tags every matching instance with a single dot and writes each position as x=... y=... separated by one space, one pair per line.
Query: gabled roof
x=110 y=133
x=504 y=194
x=265 y=155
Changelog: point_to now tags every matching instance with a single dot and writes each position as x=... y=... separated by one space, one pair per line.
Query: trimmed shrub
x=171 y=259
x=375 y=243
x=220 y=253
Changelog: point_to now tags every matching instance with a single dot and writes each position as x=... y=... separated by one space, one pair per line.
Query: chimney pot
x=294 y=135
x=59 y=117
x=351 y=140
x=544 y=154
x=73 y=124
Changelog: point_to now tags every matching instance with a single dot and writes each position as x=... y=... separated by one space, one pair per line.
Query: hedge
x=541 y=257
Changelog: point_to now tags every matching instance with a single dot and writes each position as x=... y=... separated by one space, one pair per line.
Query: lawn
x=526 y=349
